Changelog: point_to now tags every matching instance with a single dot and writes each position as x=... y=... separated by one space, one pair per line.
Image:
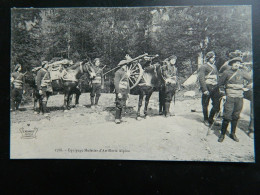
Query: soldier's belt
x=211 y=77
x=96 y=80
x=235 y=86
x=18 y=81
x=234 y=93
x=18 y=84
x=45 y=83
x=211 y=82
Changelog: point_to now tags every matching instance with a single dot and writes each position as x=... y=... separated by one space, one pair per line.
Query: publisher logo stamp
x=28 y=132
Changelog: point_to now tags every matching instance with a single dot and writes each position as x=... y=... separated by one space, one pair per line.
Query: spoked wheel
x=135 y=71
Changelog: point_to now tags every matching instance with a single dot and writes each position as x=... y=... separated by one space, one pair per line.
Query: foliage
x=111 y=33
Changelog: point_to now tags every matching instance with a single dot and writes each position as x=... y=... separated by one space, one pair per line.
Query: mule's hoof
x=65 y=110
x=146 y=117
x=138 y=118
x=117 y=121
x=46 y=114
x=35 y=112
x=72 y=109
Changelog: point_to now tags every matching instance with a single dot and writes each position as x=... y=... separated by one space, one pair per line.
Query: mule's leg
x=161 y=101
x=141 y=96
x=147 y=98
x=65 y=100
x=69 y=99
x=78 y=93
x=35 y=103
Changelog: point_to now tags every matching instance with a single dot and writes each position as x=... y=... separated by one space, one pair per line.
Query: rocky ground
x=85 y=133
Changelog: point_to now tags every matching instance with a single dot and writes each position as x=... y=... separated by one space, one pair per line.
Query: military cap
x=96 y=59
x=17 y=67
x=172 y=57
x=44 y=62
x=236 y=54
x=209 y=55
x=237 y=59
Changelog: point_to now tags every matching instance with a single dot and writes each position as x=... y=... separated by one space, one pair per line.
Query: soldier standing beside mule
x=169 y=86
x=97 y=83
x=122 y=89
x=208 y=77
x=43 y=82
x=17 y=82
x=233 y=80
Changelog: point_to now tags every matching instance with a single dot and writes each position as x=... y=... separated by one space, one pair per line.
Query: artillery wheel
x=136 y=72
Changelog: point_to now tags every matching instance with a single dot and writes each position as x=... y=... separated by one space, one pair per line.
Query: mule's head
x=87 y=68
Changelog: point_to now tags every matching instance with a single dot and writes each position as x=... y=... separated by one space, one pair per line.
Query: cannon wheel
x=136 y=73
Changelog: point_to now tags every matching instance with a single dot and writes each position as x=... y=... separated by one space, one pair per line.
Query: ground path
x=84 y=133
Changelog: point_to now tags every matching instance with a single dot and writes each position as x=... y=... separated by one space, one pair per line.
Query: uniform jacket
x=207 y=76
x=43 y=78
x=99 y=79
x=234 y=82
x=121 y=82
x=18 y=81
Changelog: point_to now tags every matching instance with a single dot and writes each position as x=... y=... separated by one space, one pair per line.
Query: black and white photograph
x=161 y=83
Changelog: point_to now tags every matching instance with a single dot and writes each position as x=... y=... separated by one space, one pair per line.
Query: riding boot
x=223 y=130
x=96 y=100
x=211 y=117
x=205 y=113
x=44 y=108
x=17 y=105
x=233 y=130
x=13 y=105
x=160 y=109
x=92 y=101
x=118 y=115
x=40 y=107
x=167 y=109
x=122 y=112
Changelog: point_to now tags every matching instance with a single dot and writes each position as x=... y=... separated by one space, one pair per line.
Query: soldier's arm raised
x=201 y=76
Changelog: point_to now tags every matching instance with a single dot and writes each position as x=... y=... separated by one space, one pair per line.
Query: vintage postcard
x=132 y=83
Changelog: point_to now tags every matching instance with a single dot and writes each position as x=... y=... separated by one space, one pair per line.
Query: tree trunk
x=200 y=59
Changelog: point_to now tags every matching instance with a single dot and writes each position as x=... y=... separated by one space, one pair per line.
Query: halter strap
x=80 y=67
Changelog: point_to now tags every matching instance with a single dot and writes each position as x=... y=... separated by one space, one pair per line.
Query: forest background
x=111 y=33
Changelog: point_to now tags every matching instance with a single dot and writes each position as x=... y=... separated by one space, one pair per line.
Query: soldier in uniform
x=208 y=77
x=169 y=86
x=233 y=80
x=43 y=82
x=122 y=89
x=97 y=83
x=17 y=82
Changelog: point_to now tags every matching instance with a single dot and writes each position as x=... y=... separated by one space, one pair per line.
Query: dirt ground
x=85 y=133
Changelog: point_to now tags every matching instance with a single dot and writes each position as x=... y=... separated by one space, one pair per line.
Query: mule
x=67 y=84
x=150 y=81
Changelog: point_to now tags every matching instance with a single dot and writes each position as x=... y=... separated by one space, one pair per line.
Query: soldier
x=97 y=83
x=169 y=86
x=43 y=82
x=122 y=89
x=233 y=79
x=208 y=76
x=17 y=82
